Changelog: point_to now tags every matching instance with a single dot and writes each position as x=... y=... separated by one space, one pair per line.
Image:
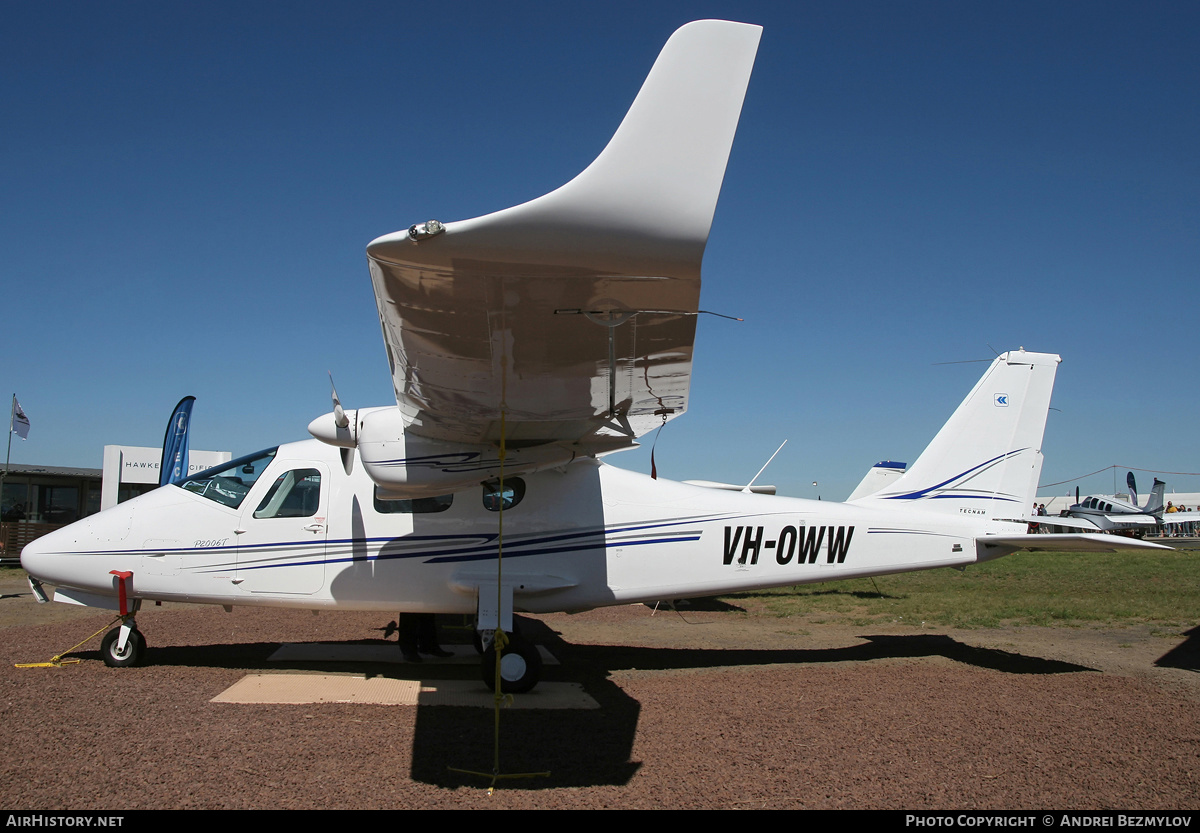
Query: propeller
x=339 y=414
x=339 y=428
x=343 y=424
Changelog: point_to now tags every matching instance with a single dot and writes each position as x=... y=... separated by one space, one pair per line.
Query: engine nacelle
x=408 y=466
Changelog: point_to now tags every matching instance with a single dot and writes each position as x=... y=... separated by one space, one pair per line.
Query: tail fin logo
x=1001 y=400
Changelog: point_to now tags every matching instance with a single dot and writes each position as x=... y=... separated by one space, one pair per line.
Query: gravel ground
x=718 y=707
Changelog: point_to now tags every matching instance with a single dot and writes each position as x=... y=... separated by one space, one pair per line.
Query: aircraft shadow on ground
x=1185 y=655
x=876 y=647
x=593 y=747
x=578 y=747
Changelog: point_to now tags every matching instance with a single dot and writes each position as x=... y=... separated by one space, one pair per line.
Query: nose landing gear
x=118 y=655
x=124 y=646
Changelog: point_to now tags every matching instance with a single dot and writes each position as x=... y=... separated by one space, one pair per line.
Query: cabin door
x=281 y=540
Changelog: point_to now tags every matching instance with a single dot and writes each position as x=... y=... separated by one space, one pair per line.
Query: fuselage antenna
x=764 y=468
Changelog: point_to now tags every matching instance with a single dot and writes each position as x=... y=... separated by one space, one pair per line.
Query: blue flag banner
x=174 y=466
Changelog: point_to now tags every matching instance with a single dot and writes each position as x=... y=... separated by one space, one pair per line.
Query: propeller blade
x=341 y=426
x=339 y=414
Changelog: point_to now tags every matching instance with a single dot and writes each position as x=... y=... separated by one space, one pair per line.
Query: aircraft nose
x=37 y=557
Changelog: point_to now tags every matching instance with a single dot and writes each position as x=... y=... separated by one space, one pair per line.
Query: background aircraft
x=1111 y=513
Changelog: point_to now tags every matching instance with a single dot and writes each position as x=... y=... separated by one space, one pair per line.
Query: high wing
x=574 y=314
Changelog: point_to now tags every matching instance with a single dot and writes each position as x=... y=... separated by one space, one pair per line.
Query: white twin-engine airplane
x=1109 y=513
x=523 y=345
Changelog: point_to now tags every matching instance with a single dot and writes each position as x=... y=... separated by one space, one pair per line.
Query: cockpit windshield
x=229 y=483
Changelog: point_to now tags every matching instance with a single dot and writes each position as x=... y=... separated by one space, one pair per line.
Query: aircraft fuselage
x=583 y=536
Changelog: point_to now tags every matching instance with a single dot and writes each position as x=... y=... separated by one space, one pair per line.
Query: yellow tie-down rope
x=499 y=642
x=57 y=660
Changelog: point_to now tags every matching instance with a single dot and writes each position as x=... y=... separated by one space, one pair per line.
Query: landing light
x=421 y=231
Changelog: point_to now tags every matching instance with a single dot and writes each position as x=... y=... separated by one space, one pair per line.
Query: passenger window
x=494 y=500
x=415 y=506
x=296 y=494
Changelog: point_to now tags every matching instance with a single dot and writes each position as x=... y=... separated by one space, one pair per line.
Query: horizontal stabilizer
x=880 y=475
x=994 y=546
x=730 y=487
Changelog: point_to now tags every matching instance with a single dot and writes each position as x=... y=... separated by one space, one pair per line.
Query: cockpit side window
x=494 y=499
x=294 y=494
x=229 y=483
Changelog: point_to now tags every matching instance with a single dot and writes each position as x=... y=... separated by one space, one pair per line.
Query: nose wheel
x=117 y=656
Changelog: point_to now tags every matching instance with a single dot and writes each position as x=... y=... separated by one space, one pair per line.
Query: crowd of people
x=1188 y=529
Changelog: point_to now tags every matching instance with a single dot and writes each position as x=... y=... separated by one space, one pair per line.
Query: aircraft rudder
x=1155 y=504
x=989 y=451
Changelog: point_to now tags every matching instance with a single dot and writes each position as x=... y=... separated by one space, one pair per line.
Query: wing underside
x=573 y=315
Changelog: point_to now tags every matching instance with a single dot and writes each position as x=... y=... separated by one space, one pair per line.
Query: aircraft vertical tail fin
x=987 y=458
x=1154 y=504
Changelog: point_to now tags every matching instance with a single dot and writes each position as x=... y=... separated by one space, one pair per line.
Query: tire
x=520 y=667
x=135 y=648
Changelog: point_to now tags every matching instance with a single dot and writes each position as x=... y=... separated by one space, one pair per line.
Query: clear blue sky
x=188 y=189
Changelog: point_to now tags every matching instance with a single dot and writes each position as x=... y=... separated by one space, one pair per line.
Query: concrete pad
x=301 y=689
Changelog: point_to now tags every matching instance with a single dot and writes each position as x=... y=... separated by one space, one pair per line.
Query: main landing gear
x=520 y=664
x=518 y=659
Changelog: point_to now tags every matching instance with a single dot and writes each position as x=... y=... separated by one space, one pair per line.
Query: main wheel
x=135 y=647
x=520 y=666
